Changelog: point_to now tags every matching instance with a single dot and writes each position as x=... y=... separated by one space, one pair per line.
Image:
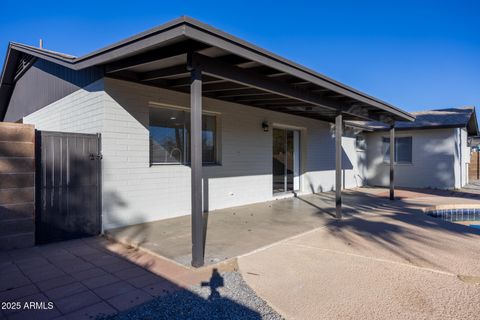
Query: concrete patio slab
x=235 y=231
x=388 y=261
x=231 y=232
x=281 y=244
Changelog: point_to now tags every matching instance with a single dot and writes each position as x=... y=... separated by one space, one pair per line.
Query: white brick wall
x=243 y=177
x=134 y=191
x=434 y=163
x=81 y=111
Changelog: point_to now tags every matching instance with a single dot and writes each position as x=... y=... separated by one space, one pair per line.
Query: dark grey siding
x=44 y=83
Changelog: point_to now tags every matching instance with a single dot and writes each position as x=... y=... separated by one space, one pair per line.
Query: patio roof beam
x=272 y=98
x=251 y=79
x=154 y=56
x=227 y=86
x=284 y=104
x=302 y=114
x=254 y=80
x=185 y=82
x=177 y=71
x=338 y=165
x=242 y=93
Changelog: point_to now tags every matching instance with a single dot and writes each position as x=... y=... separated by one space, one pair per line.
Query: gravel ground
x=226 y=296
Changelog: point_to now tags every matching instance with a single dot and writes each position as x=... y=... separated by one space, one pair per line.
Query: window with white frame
x=402 y=152
x=170 y=137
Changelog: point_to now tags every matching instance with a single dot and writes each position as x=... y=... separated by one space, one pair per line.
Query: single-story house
x=193 y=119
x=431 y=152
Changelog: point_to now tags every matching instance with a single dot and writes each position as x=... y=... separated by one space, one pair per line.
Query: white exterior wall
x=81 y=111
x=134 y=191
x=464 y=157
x=435 y=162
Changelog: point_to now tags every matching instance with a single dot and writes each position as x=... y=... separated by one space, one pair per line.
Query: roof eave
x=198 y=31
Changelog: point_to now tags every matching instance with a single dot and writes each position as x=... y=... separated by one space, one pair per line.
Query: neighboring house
x=474 y=143
x=431 y=152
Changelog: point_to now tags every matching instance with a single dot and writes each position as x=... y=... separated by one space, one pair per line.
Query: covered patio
x=194 y=58
x=235 y=231
x=241 y=230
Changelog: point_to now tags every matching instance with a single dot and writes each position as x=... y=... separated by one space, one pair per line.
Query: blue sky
x=414 y=54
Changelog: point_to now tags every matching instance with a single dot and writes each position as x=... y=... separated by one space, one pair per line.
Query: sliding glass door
x=285 y=160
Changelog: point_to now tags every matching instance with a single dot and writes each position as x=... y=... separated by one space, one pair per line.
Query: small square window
x=403 y=150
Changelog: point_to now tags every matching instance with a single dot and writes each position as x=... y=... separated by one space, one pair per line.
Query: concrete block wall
x=17 y=185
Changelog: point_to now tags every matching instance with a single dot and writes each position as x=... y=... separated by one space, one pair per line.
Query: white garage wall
x=434 y=160
x=134 y=191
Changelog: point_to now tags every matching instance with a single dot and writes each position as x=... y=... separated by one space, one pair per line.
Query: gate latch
x=96 y=156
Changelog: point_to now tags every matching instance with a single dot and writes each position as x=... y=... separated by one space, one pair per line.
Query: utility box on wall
x=17 y=185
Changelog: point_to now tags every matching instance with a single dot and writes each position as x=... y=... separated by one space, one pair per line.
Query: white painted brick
x=134 y=191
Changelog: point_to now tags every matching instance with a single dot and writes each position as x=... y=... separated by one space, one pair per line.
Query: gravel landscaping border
x=226 y=296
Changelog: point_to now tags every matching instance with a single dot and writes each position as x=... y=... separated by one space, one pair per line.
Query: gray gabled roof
x=462 y=117
x=175 y=31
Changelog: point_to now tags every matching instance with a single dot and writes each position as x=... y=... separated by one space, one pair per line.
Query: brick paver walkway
x=86 y=278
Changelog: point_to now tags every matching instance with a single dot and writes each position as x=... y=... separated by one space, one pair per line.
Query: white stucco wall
x=434 y=160
x=464 y=157
x=134 y=191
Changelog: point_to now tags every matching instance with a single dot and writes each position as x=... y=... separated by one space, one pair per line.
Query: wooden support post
x=338 y=165
x=198 y=246
x=392 y=162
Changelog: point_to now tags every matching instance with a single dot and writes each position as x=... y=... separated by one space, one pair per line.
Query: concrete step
x=17 y=241
x=16 y=226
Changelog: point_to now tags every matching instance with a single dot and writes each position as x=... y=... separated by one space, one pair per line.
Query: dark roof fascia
x=467 y=126
x=422 y=128
x=473 y=118
x=359 y=126
x=199 y=31
x=238 y=46
x=6 y=80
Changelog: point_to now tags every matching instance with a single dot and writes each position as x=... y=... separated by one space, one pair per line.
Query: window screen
x=403 y=149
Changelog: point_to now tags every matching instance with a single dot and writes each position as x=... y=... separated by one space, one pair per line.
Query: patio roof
x=233 y=70
x=462 y=117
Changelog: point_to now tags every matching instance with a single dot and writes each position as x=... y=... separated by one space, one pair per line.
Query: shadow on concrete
x=398 y=226
x=181 y=303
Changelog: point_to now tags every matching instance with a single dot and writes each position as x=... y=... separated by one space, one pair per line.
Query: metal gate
x=68 y=186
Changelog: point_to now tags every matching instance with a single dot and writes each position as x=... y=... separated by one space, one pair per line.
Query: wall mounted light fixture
x=265 y=126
